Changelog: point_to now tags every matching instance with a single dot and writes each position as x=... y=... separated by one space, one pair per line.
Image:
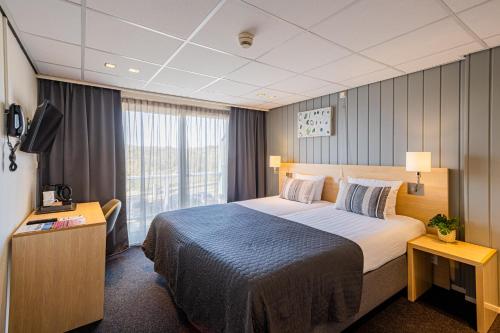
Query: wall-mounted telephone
x=16 y=126
x=15 y=121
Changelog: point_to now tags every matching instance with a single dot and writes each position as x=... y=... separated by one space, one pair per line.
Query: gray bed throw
x=234 y=269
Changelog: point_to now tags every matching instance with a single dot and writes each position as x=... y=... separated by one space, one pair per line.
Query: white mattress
x=380 y=240
x=278 y=207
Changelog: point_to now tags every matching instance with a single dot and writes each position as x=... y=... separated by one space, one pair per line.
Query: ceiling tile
x=59 y=71
x=209 y=96
x=459 y=5
x=175 y=17
x=290 y=99
x=304 y=52
x=367 y=23
x=51 y=18
x=298 y=84
x=259 y=74
x=205 y=61
x=437 y=37
x=94 y=61
x=345 y=68
x=51 y=51
x=230 y=88
x=325 y=90
x=168 y=89
x=381 y=75
x=493 y=41
x=484 y=20
x=241 y=101
x=300 y=12
x=440 y=58
x=112 y=35
x=266 y=95
x=181 y=79
x=113 y=80
x=269 y=105
x=221 y=32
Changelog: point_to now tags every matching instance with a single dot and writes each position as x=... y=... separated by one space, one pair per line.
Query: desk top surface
x=460 y=251
x=90 y=210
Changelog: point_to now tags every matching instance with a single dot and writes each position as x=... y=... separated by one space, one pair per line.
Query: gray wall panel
x=415 y=111
x=374 y=123
x=284 y=131
x=296 y=147
x=309 y=141
x=478 y=158
x=303 y=142
x=325 y=141
x=352 y=126
x=432 y=114
x=333 y=138
x=387 y=123
x=400 y=119
x=290 y=132
x=495 y=150
x=363 y=125
x=317 y=140
x=342 y=131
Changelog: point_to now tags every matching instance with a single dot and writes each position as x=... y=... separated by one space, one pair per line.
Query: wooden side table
x=483 y=259
x=57 y=276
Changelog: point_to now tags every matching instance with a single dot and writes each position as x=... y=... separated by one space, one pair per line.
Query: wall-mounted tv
x=43 y=129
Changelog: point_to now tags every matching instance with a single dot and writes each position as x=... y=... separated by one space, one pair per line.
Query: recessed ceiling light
x=261 y=94
x=109 y=65
x=133 y=70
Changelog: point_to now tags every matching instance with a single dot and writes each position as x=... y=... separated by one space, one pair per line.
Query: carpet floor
x=136 y=300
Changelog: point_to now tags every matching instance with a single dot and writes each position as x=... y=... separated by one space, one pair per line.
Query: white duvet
x=380 y=240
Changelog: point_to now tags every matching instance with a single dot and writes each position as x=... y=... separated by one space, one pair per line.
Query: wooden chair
x=111 y=210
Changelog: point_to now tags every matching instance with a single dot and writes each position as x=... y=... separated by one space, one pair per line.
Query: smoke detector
x=246 y=39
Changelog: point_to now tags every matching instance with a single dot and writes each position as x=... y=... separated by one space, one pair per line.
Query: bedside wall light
x=418 y=162
x=274 y=162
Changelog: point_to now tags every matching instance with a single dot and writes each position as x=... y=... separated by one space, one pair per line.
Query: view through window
x=176 y=157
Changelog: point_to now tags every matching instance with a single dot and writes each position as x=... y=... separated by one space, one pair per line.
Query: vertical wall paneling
x=302 y=141
x=334 y=137
x=450 y=131
x=432 y=114
x=296 y=154
x=374 y=123
x=289 y=134
x=400 y=119
x=284 y=129
x=363 y=125
x=309 y=141
x=352 y=126
x=342 y=130
x=495 y=149
x=387 y=122
x=415 y=111
x=325 y=140
x=478 y=157
x=317 y=140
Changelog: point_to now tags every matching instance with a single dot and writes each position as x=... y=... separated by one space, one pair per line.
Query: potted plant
x=447 y=228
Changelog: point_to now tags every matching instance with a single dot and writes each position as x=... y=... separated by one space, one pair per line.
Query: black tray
x=56 y=209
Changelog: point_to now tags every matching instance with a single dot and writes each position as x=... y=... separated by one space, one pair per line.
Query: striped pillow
x=298 y=190
x=363 y=200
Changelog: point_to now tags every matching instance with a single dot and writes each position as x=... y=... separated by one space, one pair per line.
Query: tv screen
x=43 y=129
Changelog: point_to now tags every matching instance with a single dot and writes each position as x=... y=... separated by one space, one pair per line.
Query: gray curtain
x=88 y=152
x=247 y=155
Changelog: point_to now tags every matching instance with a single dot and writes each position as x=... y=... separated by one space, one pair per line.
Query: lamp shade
x=418 y=161
x=274 y=161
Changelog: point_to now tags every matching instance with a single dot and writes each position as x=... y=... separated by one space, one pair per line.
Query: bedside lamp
x=417 y=162
x=274 y=162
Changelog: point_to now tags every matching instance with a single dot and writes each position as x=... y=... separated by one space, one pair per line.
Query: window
x=176 y=157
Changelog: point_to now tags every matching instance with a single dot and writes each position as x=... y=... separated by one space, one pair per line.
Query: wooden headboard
x=434 y=201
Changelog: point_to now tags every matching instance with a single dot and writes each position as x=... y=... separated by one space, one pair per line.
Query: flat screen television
x=43 y=129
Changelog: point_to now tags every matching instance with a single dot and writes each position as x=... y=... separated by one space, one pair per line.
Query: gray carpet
x=136 y=300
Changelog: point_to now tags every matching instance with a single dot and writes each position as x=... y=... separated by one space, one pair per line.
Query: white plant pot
x=450 y=238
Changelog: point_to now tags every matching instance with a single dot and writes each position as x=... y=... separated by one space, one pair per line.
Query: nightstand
x=483 y=259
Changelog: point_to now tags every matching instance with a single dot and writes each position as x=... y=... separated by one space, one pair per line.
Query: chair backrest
x=111 y=210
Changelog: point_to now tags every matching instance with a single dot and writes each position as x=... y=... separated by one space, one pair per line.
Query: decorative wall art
x=315 y=123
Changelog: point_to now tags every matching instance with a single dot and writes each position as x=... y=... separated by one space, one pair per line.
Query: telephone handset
x=15 y=121
x=16 y=126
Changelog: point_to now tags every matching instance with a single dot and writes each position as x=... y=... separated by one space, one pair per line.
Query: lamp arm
x=418 y=180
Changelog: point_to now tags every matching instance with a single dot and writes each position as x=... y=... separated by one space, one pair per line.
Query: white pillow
x=319 y=182
x=390 y=206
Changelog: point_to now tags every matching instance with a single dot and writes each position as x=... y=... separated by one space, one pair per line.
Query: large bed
x=277 y=265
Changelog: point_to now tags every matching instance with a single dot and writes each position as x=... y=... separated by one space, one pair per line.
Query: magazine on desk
x=61 y=223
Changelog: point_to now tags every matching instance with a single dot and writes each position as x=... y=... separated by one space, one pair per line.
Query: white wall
x=18 y=82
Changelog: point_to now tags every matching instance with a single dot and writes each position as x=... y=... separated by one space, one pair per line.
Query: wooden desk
x=57 y=277
x=482 y=258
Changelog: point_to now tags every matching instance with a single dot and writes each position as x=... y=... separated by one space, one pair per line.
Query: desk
x=57 y=276
x=483 y=259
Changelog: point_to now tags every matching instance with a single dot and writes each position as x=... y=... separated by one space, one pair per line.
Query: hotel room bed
x=229 y=270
